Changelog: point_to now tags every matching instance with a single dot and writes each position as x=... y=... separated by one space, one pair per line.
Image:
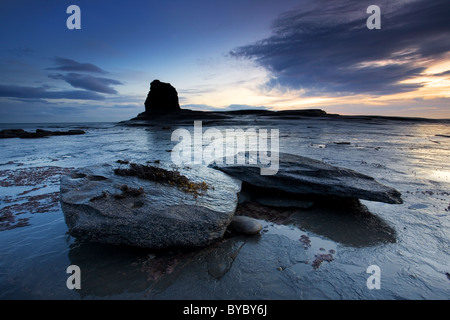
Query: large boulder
x=109 y=204
x=305 y=176
x=161 y=99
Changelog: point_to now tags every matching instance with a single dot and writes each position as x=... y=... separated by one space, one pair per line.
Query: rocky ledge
x=39 y=133
x=160 y=207
x=301 y=176
x=148 y=206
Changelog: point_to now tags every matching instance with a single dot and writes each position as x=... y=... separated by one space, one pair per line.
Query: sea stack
x=161 y=99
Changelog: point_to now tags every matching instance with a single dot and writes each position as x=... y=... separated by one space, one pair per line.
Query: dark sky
x=327 y=51
x=223 y=55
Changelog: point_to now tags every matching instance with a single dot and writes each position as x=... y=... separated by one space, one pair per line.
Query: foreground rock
x=39 y=133
x=161 y=99
x=305 y=176
x=106 y=204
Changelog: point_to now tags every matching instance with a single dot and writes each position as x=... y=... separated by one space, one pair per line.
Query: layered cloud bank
x=326 y=47
x=245 y=54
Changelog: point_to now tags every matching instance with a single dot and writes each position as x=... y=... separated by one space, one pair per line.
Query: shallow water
x=309 y=255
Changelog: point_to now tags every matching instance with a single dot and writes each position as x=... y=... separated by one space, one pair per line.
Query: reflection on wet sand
x=109 y=270
x=233 y=268
x=106 y=268
x=344 y=220
x=350 y=224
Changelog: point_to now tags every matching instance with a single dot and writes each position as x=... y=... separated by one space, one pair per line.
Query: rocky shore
x=39 y=133
x=157 y=208
x=160 y=207
x=308 y=232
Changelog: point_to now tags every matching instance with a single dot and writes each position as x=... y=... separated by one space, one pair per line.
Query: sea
x=400 y=251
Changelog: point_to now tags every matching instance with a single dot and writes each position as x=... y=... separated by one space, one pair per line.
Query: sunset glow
x=275 y=55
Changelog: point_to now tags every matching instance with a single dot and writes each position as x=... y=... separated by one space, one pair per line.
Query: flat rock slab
x=148 y=214
x=301 y=175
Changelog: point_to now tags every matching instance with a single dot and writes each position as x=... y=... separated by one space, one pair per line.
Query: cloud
x=21 y=92
x=94 y=88
x=233 y=107
x=90 y=83
x=445 y=73
x=83 y=81
x=199 y=107
x=325 y=47
x=74 y=66
x=22 y=51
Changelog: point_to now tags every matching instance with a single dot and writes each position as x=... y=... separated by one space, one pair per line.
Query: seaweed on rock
x=174 y=177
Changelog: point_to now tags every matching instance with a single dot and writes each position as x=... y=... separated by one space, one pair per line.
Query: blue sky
x=219 y=55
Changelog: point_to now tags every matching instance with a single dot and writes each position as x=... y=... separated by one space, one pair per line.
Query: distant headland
x=162 y=105
x=39 y=133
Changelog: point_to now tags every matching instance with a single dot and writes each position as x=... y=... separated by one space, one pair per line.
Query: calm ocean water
x=413 y=157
